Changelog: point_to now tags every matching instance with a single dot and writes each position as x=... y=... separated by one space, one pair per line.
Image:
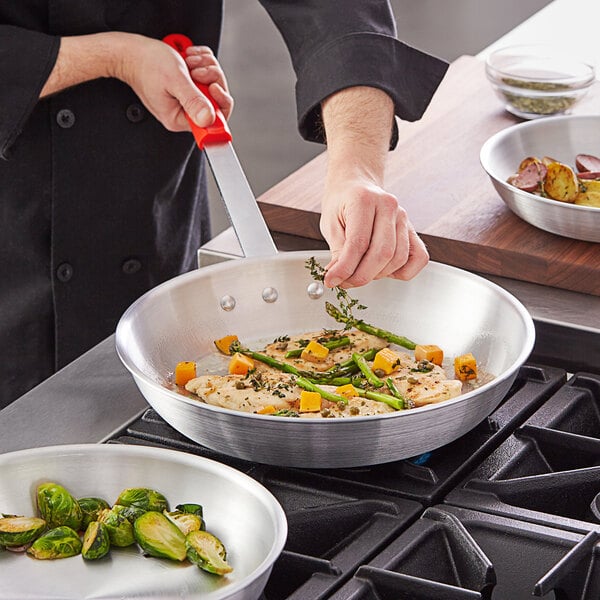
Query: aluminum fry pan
x=240 y=511
x=261 y=299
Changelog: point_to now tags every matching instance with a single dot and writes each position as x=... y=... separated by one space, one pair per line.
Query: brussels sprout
x=91 y=507
x=131 y=513
x=60 y=542
x=19 y=531
x=192 y=509
x=96 y=541
x=144 y=498
x=159 y=537
x=207 y=551
x=185 y=521
x=120 y=529
x=57 y=507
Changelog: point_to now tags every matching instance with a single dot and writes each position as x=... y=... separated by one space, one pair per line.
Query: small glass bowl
x=539 y=80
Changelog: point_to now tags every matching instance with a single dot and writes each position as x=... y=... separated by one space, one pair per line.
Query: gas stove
x=509 y=511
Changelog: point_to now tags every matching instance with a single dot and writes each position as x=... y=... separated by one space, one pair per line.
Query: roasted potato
x=561 y=183
x=589 y=193
x=547 y=160
x=528 y=161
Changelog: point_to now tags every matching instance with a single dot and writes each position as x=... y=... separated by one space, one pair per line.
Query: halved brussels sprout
x=57 y=507
x=207 y=551
x=192 y=509
x=60 y=542
x=185 y=521
x=91 y=507
x=144 y=498
x=120 y=529
x=96 y=541
x=159 y=537
x=19 y=531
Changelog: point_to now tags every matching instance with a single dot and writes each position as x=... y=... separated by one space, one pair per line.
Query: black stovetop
x=507 y=512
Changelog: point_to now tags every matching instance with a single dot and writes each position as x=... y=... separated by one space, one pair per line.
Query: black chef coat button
x=135 y=113
x=64 y=272
x=131 y=266
x=65 y=118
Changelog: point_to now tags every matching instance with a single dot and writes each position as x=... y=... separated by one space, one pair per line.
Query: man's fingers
x=195 y=104
x=418 y=257
x=348 y=240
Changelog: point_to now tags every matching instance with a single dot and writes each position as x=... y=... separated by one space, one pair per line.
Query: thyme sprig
x=346 y=303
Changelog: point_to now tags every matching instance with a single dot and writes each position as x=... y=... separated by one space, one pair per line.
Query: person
x=103 y=190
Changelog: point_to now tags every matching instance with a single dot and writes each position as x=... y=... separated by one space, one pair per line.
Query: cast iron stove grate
x=367 y=534
x=548 y=471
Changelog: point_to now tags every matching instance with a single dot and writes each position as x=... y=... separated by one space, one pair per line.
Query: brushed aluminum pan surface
x=561 y=138
x=459 y=311
x=240 y=511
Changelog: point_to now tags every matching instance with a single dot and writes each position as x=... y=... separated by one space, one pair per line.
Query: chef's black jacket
x=99 y=202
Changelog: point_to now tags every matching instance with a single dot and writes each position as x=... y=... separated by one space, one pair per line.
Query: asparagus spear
x=350 y=364
x=366 y=370
x=322 y=378
x=311 y=387
x=331 y=344
x=268 y=360
x=395 y=392
x=380 y=397
x=332 y=311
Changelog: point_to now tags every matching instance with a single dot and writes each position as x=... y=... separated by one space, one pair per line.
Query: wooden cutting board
x=436 y=174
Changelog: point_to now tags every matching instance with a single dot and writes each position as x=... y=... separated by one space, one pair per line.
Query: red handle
x=219 y=130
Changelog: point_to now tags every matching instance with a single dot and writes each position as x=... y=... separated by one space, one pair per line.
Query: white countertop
x=573 y=25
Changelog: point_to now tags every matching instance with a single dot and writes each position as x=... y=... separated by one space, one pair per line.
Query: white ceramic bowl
x=240 y=511
x=562 y=138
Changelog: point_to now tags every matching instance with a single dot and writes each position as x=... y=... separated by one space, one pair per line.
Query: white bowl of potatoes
x=547 y=171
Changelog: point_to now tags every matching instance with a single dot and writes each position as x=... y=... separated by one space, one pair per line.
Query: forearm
x=358 y=125
x=84 y=58
x=154 y=71
x=368 y=232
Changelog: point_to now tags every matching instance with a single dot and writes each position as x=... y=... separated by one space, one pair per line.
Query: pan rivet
x=315 y=290
x=227 y=303
x=270 y=294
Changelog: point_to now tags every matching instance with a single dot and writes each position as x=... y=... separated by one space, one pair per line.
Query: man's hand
x=368 y=232
x=165 y=84
x=163 y=81
x=369 y=235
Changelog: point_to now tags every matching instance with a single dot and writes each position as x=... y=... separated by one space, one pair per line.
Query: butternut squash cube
x=310 y=401
x=240 y=364
x=386 y=360
x=184 y=371
x=465 y=367
x=429 y=352
x=223 y=344
x=347 y=391
x=266 y=410
x=314 y=352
